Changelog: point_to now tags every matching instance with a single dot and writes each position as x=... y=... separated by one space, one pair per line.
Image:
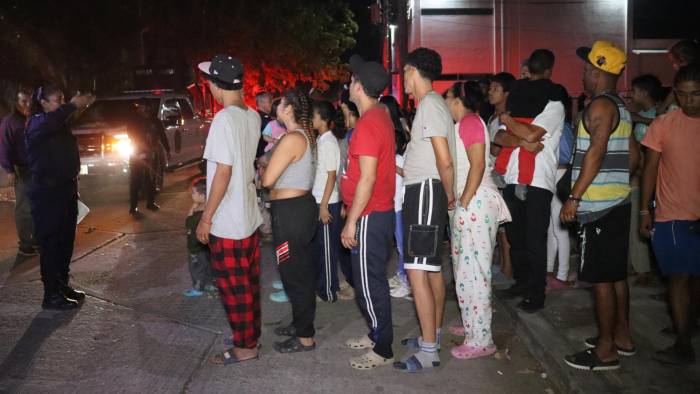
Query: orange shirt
x=677 y=137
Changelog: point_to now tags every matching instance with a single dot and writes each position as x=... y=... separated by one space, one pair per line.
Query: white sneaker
x=401 y=291
x=395 y=281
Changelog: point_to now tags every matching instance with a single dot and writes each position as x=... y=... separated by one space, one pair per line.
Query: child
x=325 y=191
x=199 y=262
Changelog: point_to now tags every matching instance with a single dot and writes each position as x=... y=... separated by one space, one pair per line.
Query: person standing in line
x=646 y=90
x=600 y=203
x=230 y=220
x=398 y=284
x=558 y=241
x=350 y=116
x=13 y=160
x=263 y=104
x=479 y=212
x=429 y=193
x=498 y=96
x=672 y=169
x=368 y=193
x=289 y=176
x=325 y=191
x=54 y=161
x=528 y=162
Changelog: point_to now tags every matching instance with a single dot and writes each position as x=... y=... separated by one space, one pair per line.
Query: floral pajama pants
x=473 y=238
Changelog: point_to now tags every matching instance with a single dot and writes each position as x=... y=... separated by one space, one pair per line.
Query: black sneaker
x=27 y=251
x=153 y=207
x=676 y=355
x=671 y=331
x=73 y=294
x=59 y=302
x=588 y=360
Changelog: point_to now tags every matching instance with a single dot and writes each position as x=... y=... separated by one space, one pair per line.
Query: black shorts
x=605 y=247
x=425 y=205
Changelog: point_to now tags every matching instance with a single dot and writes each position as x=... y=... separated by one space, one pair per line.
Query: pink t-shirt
x=677 y=137
x=471 y=130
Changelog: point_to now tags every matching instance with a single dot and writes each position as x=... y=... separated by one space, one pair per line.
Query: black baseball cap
x=224 y=68
x=372 y=75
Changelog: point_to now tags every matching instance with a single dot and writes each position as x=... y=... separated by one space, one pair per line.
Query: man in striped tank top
x=600 y=202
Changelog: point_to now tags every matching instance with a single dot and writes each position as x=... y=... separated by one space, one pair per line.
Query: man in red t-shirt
x=368 y=187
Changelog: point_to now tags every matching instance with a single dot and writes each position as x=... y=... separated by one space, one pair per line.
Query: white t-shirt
x=328 y=151
x=398 y=195
x=552 y=120
x=233 y=140
x=432 y=119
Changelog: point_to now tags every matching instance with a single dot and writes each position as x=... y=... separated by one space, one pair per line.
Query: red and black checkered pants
x=236 y=268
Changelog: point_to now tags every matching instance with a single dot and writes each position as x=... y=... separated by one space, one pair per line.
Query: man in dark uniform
x=52 y=155
x=145 y=133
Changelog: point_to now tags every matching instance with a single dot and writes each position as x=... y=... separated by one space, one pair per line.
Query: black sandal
x=588 y=360
x=286 y=331
x=293 y=345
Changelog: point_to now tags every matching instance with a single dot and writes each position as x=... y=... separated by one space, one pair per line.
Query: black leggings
x=293 y=228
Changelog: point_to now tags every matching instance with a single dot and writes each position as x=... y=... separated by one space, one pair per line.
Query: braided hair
x=301 y=108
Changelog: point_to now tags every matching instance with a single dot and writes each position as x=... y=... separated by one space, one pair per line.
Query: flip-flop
x=277 y=285
x=228 y=357
x=293 y=345
x=412 y=365
x=466 y=352
x=592 y=342
x=286 y=331
x=228 y=342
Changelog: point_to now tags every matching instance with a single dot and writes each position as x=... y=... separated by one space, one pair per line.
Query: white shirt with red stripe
x=551 y=119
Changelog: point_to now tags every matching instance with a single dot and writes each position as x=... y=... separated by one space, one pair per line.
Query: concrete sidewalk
x=568 y=318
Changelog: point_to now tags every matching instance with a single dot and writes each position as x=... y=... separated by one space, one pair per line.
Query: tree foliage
x=82 y=45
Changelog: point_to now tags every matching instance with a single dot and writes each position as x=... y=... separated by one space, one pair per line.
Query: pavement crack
x=98 y=247
x=200 y=365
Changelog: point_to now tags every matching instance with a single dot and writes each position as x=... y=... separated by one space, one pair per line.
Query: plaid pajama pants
x=236 y=268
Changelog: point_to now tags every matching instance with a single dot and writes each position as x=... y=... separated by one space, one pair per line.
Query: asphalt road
x=136 y=332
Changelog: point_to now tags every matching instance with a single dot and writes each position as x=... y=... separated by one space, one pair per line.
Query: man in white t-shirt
x=231 y=215
x=528 y=160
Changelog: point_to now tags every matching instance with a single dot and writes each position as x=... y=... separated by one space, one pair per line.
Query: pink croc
x=466 y=352
x=457 y=330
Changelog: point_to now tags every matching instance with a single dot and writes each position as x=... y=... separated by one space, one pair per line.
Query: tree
x=78 y=45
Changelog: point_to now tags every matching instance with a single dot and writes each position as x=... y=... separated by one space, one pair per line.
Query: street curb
x=548 y=346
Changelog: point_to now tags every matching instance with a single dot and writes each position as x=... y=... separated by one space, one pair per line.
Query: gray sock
x=428 y=355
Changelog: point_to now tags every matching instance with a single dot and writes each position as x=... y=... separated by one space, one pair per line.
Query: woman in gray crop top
x=289 y=176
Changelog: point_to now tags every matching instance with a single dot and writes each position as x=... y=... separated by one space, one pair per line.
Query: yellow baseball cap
x=604 y=55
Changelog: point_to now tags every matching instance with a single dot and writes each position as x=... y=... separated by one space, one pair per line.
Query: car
x=103 y=140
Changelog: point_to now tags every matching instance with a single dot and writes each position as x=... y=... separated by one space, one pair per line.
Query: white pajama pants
x=473 y=238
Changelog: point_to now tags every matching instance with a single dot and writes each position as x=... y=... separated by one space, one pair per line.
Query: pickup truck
x=103 y=141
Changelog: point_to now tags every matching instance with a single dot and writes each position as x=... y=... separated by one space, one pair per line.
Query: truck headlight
x=122 y=145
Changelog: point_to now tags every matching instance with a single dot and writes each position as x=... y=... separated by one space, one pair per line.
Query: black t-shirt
x=193 y=244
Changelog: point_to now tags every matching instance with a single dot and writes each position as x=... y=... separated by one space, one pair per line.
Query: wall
x=475 y=44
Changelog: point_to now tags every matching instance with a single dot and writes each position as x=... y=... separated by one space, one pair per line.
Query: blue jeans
x=398 y=236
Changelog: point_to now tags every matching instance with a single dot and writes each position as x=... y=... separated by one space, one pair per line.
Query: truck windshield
x=113 y=112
